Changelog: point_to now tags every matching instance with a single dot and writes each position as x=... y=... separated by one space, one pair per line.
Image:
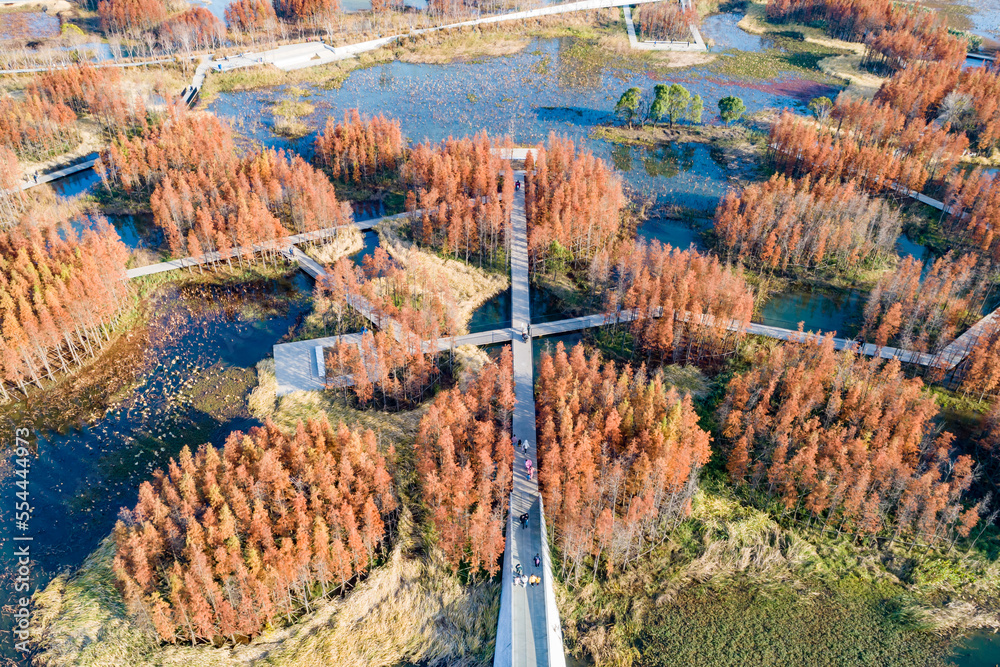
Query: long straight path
x=532 y=635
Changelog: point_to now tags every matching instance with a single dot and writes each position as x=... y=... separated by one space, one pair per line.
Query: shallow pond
x=980 y=649
x=723 y=31
x=197 y=358
x=819 y=311
x=554 y=85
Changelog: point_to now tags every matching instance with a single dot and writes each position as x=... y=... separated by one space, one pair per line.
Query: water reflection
x=818 y=310
x=980 y=649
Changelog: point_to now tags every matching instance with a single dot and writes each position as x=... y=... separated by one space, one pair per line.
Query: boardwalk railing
x=553 y=630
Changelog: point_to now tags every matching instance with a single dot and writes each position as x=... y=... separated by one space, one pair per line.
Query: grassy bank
x=469 y=285
x=330 y=76
x=732 y=586
x=807 y=49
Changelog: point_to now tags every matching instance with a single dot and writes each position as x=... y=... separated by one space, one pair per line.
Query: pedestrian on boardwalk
x=534 y=580
x=527 y=464
x=518 y=445
x=524 y=520
x=538 y=561
x=524 y=447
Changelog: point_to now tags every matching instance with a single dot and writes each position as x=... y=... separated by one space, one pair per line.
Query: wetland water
x=193 y=368
x=200 y=352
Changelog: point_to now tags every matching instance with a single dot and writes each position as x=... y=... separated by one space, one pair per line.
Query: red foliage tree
x=465 y=462
x=97 y=91
x=305 y=10
x=60 y=294
x=895 y=34
x=226 y=542
x=398 y=363
x=197 y=181
x=573 y=202
x=683 y=306
x=456 y=184
x=870 y=144
x=131 y=16
x=250 y=16
x=619 y=457
x=848 y=440
x=784 y=224
x=666 y=21
x=922 y=311
x=35 y=128
x=196 y=28
x=973 y=213
x=361 y=149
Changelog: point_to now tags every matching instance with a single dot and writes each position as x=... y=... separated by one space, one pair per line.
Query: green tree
x=821 y=106
x=677 y=102
x=695 y=107
x=628 y=105
x=658 y=109
x=731 y=108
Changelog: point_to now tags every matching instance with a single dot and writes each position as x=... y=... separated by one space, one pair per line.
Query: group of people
x=522 y=446
x=521 y=580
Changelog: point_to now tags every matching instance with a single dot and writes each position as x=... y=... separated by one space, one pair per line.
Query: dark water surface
x=195 y=371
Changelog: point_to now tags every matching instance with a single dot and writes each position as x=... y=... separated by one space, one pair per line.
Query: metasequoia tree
x=619 y=458
x=97 y=91
x=973 y=212
x=666 y=21
x=305 y=10
x=847 y=440
x=455 y=186
x=61 y=294
x=251 y=16
x=979 y=372
x=922 y=310
x=35 y=128
x=398 y=363
x=196 y=28
x=208 y=198
x=573 y=202
x=465 y=462
x=683 y=306
x=894 y=34
x=225 y=543
x=360 y=149
x=968 y=99
x=130 y=17
x=785 y=224
x=12 y=198
x=871 y=144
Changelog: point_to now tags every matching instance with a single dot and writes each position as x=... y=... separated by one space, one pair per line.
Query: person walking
x=527 y=464
x=524 y=447
x=538 y=561
x=534 y=580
